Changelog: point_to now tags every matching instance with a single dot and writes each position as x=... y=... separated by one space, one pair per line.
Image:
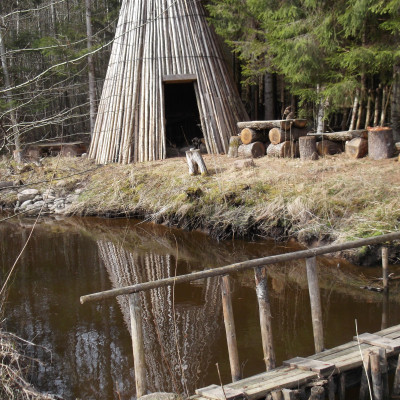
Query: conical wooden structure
x=159 y=43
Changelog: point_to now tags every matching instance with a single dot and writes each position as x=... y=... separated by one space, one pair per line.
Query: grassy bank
x=332 y=199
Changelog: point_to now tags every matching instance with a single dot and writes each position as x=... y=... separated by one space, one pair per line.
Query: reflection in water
x=87 y=348
x=178 y=348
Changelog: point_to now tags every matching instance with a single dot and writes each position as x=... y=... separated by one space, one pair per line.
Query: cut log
x=341 y=136
x=284 y=124
x=277 y=135
x=397 y=147
x=234 y=143
x=195 y=162
x=308 y=148
x=248 y=135
x=254 y=150
x=284 y=149
x=357 y=148
x=380 y=143
x=327 y=147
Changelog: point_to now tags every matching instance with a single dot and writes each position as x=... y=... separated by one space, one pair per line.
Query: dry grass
x=14 y=367
x=332 y=199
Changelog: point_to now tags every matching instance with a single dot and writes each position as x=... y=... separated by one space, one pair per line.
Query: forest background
x=336 y=62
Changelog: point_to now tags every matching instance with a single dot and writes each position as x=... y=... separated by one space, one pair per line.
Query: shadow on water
x=87 y=349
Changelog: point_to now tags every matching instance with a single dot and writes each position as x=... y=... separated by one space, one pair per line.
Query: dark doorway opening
x=182 y=116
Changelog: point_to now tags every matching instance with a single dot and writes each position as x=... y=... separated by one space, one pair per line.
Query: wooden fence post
x=365 y=376
x=315 y=301
x=396 y=382
x=137 y=344
x=376 y=374
x=265 y=317
x=385 y=265
x=230 y=328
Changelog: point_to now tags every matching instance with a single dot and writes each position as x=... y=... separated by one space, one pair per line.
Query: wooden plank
x=215 y=392
x=379 y=341
x=307 y=364
x=182 y=78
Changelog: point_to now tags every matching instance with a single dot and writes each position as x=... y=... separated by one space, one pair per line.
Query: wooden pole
x=396 y=382
x=265 y=317
x=384 y=370
x=242 y=266
x=315 y=301
x=365 y=377
x=376 y=374
x=331 y=388
x=385 y=273
x=137 y=344
x=230 y=328
x=342 y=386
x=317 y=393
x=385 y=306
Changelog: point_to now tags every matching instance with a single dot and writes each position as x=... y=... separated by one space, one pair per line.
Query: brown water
x=86 y=349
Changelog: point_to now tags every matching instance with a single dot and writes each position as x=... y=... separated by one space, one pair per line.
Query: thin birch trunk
x=354 y=112
x=91 y=71
x=384 y=105
x=376 y=111
x=369 y=110
x=8 y=94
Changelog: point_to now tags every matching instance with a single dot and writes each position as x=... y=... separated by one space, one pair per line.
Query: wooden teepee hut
x=165 y=66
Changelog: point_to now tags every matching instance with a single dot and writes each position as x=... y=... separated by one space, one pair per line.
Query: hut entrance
x=182 y=116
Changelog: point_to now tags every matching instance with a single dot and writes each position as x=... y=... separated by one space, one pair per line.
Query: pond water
x=85 y=350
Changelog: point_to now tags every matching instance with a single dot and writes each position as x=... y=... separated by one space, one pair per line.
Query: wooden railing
x=259 y=265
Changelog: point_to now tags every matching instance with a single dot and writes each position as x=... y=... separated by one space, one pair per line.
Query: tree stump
x=248 y=135
x=254 y=150
x=308 y=148
x=327 y=147
x=380 y=143
x=285 y=149
x=195 y=162
x=357 y=148
x=234 y=143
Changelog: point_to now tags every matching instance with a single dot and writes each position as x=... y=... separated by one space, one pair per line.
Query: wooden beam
x=182 y=78
x=315 y=302
x=242 y=266
x=230 y=328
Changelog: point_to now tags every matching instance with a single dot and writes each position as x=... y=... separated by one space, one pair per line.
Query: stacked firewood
x=289 y=138
x=278 y=138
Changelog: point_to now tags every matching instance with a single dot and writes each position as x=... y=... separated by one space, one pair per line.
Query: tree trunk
x=320 y=114
x=357 y=148
x=91 y=71
x=376 y=111
x=234 y=143
x=341 y=136
x=248 y=135
x=284 y=149
x=277 y=135
x=384 y=105
x=8 y=95
x=354 y=112
x=380 y=143
x=254 y=150
x=308 y=148
x=395 y=106
x=369 y=107
x=269 y=98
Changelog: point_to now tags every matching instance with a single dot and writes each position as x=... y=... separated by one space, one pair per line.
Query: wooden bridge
x=326 y=373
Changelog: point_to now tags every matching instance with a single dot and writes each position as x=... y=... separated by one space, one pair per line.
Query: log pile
x=276 y=138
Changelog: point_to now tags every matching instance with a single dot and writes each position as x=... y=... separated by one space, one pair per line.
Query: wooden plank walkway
x=345 y=358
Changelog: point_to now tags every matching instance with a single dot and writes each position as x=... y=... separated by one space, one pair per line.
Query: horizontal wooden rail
x=242 y=266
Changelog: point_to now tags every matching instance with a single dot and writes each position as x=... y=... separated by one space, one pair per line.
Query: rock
x=78 y=191
x=38 y=198
x=242 y=164
x=59 y=202
x=27 y=194
x=61 y=183
x=39 y=203
x=25 y=204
